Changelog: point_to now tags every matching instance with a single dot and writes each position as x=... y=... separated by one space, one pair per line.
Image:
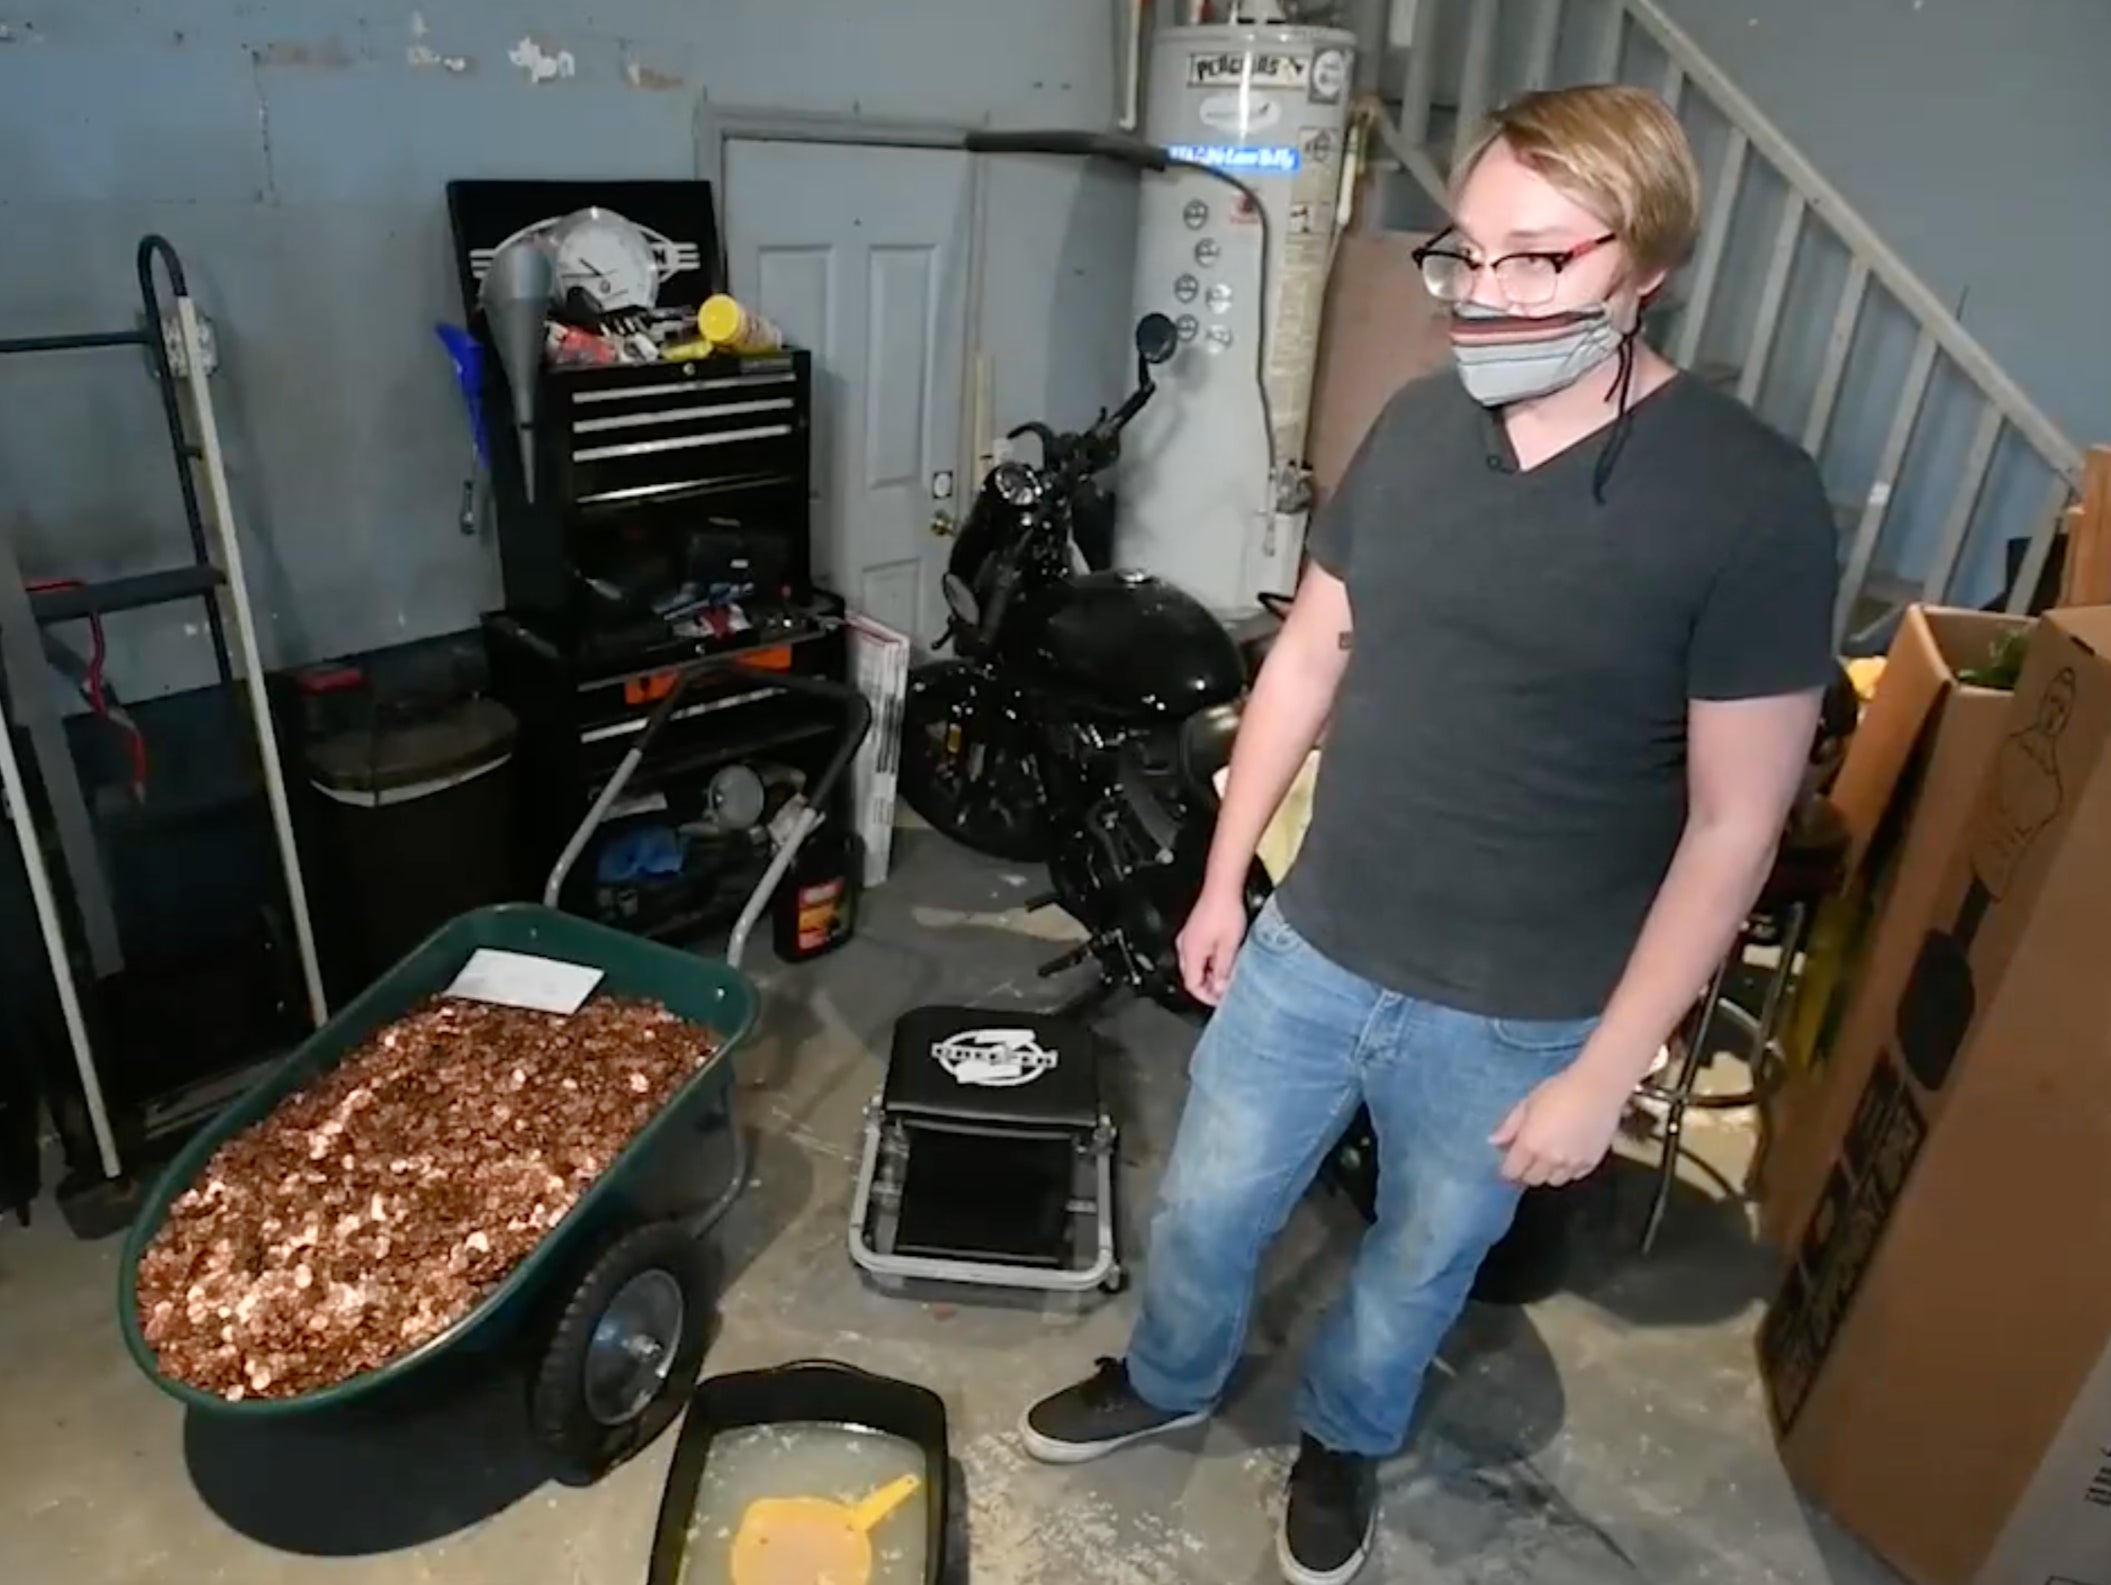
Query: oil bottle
x=816 y=906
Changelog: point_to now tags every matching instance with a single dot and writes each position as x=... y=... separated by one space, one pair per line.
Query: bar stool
x=1809 y=867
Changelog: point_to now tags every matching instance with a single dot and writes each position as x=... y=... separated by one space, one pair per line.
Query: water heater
x=1213 y=486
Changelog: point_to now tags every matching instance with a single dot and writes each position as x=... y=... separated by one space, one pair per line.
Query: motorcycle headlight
x=1016 y=484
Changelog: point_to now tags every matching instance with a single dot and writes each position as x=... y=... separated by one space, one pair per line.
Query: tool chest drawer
x=628 y=437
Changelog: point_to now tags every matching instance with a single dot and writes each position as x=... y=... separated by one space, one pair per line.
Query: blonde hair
x=1618 y=151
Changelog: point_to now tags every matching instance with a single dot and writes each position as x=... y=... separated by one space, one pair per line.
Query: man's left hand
x=1563 y=1129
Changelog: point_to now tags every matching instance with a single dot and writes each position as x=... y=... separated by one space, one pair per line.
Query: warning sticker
x=1301 y=294
x=1329 y=76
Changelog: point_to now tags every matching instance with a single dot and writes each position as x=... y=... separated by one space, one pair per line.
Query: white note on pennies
x=520 y=979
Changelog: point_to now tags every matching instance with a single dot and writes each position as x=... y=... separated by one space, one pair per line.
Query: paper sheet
x=519 y=979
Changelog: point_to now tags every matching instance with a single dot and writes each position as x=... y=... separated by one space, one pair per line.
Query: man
x=1567 y=622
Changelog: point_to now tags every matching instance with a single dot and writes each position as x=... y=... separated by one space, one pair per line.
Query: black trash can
x=20 y=1174
x=419 y=811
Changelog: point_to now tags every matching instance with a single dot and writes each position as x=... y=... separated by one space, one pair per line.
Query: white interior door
x=860 y=254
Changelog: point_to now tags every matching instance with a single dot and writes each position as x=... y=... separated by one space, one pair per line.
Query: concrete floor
x=1611 y=1434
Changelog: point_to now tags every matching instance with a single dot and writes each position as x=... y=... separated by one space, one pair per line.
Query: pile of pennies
x=372 y=1209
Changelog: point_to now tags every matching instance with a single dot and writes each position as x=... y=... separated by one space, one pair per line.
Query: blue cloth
x=639 y=853
x=1279 y=1072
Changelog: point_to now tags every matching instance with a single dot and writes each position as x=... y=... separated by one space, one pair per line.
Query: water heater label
x=1226 y=68
x=1237 y=157
x=1240 y=112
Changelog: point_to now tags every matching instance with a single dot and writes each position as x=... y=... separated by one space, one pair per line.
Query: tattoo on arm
x=1346 y=638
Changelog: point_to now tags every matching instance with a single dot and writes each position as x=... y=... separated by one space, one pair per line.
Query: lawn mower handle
x=858 y=713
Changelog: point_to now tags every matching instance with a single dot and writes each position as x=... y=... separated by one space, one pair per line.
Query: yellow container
x=728 y=323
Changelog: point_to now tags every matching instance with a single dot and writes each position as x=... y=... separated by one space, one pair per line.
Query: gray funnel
x=516 y=301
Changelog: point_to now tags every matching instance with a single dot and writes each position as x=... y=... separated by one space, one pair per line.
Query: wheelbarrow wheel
x=625 y=1350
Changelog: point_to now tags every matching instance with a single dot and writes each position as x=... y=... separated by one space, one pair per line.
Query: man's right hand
x=1208 y=942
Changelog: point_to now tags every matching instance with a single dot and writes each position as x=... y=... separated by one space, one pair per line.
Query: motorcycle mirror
x=1156 y=338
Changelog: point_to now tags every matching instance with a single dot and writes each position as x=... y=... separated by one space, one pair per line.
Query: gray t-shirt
x=1502 y=785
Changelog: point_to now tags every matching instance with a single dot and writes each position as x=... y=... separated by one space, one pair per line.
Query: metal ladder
x=1457 y=69
x=25 y=612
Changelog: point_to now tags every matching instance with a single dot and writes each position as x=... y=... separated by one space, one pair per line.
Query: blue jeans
x=1296 y=1045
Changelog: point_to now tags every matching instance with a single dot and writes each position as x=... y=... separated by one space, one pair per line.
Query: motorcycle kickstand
x=1088 y=999
x=1069 y=960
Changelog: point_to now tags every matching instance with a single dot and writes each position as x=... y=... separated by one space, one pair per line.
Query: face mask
x=1504 y=358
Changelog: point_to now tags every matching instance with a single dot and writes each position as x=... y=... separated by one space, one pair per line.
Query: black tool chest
x=658 y=512
x=670 y=521
x=644 y=474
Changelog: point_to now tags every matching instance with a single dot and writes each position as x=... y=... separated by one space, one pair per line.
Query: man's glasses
x=1526 y=280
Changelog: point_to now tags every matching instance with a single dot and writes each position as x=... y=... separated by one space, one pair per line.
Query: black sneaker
x=1096 y=1416
x=1331 y=1518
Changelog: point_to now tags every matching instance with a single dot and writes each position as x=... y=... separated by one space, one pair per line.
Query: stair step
x=1873 y=619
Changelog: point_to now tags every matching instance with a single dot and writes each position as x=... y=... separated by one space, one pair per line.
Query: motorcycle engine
x=1132 y=871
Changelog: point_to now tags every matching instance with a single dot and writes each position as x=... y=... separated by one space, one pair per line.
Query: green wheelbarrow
x=610 y=1312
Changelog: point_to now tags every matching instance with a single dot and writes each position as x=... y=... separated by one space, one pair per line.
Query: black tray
x=824 y=1392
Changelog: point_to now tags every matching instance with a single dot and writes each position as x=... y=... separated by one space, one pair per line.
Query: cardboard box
x=879 y=665
x=1380 y=330
x=1938 y=1362
x=1904 y=791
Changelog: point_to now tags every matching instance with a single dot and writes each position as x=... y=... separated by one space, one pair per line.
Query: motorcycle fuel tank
x=1128 y=644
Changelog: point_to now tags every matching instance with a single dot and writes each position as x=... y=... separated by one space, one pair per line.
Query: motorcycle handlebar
x=1094 y=449
x=1119 y=419
x=1069 y=457
x=1066 y=460
x=1051 y=443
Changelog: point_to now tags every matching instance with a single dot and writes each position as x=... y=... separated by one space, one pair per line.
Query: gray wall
x=1976 y=136
x=296 y=151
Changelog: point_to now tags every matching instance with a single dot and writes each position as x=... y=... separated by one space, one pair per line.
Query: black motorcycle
x=1086 y=711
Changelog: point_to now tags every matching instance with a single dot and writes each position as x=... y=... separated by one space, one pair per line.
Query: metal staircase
x=1950 y=481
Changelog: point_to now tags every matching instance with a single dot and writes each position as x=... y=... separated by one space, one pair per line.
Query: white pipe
x=1132 y=64
x=54 y=933
x=252 y=662
x=1352 y=157
x=974 y=390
